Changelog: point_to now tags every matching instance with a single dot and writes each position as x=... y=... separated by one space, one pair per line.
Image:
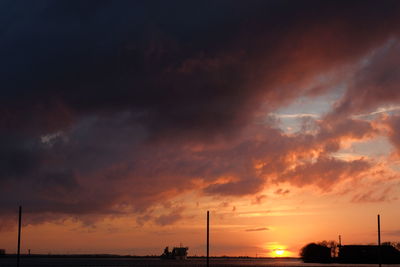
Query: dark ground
x=152 y=262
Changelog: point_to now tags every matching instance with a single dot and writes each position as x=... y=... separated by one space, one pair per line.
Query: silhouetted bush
x=315 y=253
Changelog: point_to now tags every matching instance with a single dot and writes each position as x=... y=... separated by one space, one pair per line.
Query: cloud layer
x=114 y=107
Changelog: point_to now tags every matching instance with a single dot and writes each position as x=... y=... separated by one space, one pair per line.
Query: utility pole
x=19 y=234
x=208 y=238
x=379 y=241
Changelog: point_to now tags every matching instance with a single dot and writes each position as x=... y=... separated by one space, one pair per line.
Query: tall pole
x=208 y=238
x=19 y=234
x=379 y=241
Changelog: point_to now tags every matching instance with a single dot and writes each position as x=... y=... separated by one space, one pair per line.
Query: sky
x=123 y=122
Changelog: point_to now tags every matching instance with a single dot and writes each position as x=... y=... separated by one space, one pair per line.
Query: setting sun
x=279 y=252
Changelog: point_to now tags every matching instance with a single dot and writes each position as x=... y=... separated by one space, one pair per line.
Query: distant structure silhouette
x=177 y=253
x=2 y=252
x=362 y=254
x=387 y=252
x=368 y=254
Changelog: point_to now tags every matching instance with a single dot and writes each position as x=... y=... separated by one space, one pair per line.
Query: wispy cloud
x=257 y=229
x=380 y=110
x=392 y=233
x=277 y=212
x=295 y=115
x=372 y=196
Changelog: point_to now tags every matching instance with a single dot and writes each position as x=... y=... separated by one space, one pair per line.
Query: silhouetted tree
x=396 y=245
x=316 y=253
x=333 y=245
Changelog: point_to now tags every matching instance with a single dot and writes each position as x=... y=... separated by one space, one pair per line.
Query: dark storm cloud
x=172 y=217
x=325 y=172
x=242 y=187
x=394 y=133
x=375 y=84
x=177 y=65
x=118 y=105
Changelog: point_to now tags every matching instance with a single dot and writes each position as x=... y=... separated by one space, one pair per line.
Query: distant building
x=2 y=252
x=177 y=253
x=368 y=254
x=180 y=253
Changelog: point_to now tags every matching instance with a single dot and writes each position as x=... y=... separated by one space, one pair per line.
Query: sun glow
x=279 y=252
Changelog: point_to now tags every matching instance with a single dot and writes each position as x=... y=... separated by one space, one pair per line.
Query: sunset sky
x=123 y=122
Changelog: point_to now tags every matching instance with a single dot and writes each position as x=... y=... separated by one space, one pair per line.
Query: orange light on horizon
x=279 y=252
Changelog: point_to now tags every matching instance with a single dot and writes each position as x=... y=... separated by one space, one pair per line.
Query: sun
x=279 y=252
